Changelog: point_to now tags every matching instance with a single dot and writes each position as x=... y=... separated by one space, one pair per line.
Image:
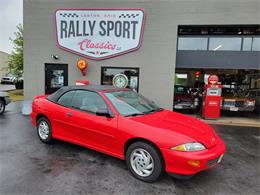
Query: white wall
x=156 y=57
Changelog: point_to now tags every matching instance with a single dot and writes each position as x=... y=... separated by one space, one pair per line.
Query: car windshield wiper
x=143 y=113
x=135 y=114
x=153 y=110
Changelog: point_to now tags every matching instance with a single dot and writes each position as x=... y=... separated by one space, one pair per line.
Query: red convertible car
x=126 y=125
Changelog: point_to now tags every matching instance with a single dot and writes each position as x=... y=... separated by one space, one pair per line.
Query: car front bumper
x=190 y=163
x=182 y=106
x=6 y=81
x=235 y=109
x=7 y=100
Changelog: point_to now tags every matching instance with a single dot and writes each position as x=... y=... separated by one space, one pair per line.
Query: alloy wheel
x=43 y=130
x=142 y=162
x=2 y=106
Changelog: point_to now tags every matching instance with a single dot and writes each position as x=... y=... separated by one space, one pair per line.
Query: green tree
x=15 y=63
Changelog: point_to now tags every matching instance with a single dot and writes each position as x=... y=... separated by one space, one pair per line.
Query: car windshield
x=252 y=94
x=130 y=103
x=9 y=75
x=227 y=91
x=181 y=89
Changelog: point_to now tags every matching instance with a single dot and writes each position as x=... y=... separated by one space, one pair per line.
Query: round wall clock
x=120 y=80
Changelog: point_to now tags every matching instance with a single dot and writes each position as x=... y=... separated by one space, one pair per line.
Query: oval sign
x=99 y=33
x=213 y=79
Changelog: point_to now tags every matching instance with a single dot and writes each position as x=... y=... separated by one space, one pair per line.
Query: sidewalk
x=234 y=121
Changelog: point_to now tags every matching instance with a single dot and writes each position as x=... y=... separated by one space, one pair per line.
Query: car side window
x=66 y=98
x=88 y=101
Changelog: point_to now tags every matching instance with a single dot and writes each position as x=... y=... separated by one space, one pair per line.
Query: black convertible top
x=96 y=88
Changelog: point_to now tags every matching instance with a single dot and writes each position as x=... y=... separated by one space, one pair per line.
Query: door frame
x=55 y=65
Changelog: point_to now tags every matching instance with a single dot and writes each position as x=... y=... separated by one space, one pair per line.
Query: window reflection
x=57 y=79
x=225 y=43
x=217 y=43
x=256 y=44
x=107 y=74
x=190 y=43
x=247 y=43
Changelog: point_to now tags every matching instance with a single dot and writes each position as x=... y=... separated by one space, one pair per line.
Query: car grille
x=188 y=101
x=229 y=103
x=212 y=162
x=239 y=103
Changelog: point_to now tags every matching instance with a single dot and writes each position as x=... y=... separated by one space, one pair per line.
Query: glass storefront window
x=181 y=79
x=225 y=44
x=191 y=43
x=219 y=43
x=108 y=73
x=256 y=44
x=57 y=79
x=247 y=43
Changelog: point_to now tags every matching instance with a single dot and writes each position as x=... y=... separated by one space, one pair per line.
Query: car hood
x=176 y=125
x=7 y=77
x=183 y=97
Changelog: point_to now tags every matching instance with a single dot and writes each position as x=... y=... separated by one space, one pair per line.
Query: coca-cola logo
x=99 y=33
x=213 y=79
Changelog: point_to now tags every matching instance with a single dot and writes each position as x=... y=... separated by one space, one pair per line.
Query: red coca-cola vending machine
x=211 y=98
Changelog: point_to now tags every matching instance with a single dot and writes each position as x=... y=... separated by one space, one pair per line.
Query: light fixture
x=82 y=65
x=217 y=47
x=54 y=56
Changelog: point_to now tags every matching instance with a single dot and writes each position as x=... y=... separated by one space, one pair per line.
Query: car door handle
x=69 y=114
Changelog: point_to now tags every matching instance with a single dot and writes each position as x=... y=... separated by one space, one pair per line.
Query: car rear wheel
x=144 y=161
x=44 y=130
x=2 y=106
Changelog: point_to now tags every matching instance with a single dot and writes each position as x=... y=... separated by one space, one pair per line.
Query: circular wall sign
x=82 y=64
x=213 y=79
x=120 y=80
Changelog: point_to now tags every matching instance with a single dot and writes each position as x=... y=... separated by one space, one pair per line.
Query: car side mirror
x=104 y=112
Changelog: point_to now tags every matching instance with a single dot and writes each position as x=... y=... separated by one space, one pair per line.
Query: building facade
x=150 y=66
x=3 y=63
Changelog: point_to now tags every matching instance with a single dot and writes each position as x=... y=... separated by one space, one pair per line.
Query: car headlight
x=188 y=147
x=196 y=101
x=250 y=103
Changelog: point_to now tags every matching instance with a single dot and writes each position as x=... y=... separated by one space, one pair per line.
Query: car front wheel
x=44 y=130
x=2 y=106
x=144 y=161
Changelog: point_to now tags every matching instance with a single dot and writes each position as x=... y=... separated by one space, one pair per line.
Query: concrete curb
x=233 y=123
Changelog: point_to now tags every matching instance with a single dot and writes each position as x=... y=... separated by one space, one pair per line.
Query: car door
x=61 y=127
x=88 y=129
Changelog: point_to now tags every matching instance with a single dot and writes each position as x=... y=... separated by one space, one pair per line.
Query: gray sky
x=11 y=14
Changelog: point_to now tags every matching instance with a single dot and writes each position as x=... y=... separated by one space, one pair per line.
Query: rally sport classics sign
x=99 y=33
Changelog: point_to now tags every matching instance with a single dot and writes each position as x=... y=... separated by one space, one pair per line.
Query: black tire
x=48 y=139
x=2 y=106
x=154 y=153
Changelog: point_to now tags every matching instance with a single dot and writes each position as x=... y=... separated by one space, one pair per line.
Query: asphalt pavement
x=28 y=166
